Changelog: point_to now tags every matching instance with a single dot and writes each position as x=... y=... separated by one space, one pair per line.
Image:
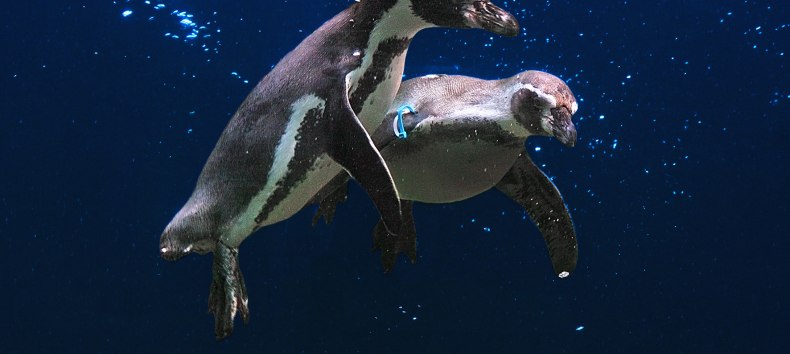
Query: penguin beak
x=171 y=250
x=565 y=133
x=175 y=243
x=487 y=16
x=171 y=253
x=562 y=126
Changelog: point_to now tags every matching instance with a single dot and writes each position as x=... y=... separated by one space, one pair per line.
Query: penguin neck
x=492 y=100
x=383 y=57
x=397 y=21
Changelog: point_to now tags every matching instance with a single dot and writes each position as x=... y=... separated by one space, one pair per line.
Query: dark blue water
x=678 y=187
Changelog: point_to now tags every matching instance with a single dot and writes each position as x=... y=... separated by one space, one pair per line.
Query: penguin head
x=189 y=231
x=466 y=14
x=544 y=105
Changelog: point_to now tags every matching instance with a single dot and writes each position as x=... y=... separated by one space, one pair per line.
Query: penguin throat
x=374 y=83
x=399 y=21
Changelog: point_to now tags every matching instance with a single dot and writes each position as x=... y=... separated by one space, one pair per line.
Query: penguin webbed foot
x=392 y=245
x=328 y=202
x=325 y=211
x=352 y=148
x=228 y=293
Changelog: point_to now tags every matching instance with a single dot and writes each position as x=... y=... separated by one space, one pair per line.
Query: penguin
x=304 y=123
x=461 y=136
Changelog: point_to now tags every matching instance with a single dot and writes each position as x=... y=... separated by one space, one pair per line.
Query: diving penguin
x=302 y=124
x=463 y=136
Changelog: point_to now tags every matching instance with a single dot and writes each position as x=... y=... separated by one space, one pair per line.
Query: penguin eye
x=561 y=114
x=539 y=97
x=549 y=100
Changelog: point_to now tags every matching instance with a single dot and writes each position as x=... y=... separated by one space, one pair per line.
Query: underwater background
x=678 y=187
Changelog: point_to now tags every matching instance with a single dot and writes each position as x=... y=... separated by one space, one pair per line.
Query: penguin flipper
x=352 y=148
x=384 y=135
x=526 y=184
x=228 y=293
x=391 y=247
x=329 y=197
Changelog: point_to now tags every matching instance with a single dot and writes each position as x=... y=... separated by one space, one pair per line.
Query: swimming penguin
x=302 y=124
x=461 y=136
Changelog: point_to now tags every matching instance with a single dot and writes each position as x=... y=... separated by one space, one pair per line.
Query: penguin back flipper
x=407 y=242
x=526 y=184
x=329 y=197
x=352 y=148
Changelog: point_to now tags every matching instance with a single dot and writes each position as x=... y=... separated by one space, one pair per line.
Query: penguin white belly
x=376 y=105
x=322 y=171
x=448 y=171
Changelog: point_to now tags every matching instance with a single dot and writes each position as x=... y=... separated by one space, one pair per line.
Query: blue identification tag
x=397 y=125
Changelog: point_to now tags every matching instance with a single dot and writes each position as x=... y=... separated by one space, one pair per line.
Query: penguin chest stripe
x=378 y=70
x=302 y=152
x=286 y=148
x=284 y=153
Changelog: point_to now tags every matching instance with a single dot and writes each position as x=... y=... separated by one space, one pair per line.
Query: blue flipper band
x=401 y=133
